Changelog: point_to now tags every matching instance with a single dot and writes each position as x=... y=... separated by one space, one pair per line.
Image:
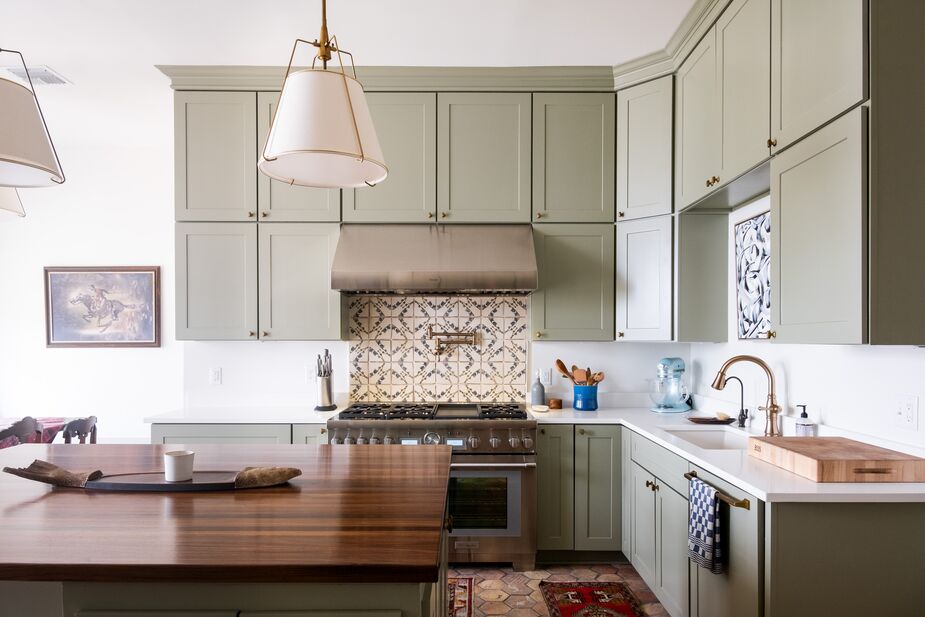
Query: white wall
x=855 y=388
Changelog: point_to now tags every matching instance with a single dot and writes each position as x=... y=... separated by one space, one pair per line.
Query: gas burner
x=386 y=411
x=365 y=411
x=503 y=411
x=411 y=411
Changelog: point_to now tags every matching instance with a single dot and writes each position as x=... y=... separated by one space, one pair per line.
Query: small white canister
x=178 y=465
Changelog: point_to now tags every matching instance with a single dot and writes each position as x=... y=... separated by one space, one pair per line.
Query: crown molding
x=405 y=78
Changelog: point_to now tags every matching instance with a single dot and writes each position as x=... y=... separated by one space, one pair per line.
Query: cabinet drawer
x=667 y=466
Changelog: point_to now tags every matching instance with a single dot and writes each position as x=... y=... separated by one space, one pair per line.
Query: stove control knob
x=494 y=442
x=514 y=442
x=374 y=441
x=431 y=439
x=348 y=440
x=387 y=440
x=334 y=441
x=474 y=442
x=527 y=443
x=361 y=440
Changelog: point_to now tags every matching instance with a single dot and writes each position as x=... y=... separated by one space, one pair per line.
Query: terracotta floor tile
x=534 y=584
x=494 y=583
x=493 y=595
x=522 y=612
x=655 y=610
x=604 y=568
x=584 y=574
x=515 y=578
x=495 y=608
x=561 y=578
x=536 y=574
x=610 y=578
x=490 y=574
x=520 y=602
x=537 y=597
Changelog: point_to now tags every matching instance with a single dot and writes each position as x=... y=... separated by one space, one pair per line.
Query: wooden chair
x=80 y=428
x=27 y=430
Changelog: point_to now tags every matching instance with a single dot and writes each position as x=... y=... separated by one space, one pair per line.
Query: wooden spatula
x=560 y=366
x=581 y=376
x=597 y=378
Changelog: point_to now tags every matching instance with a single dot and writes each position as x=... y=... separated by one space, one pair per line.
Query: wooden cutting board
x=836 y=459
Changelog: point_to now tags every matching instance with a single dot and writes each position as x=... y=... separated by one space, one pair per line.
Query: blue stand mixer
x=667 y=390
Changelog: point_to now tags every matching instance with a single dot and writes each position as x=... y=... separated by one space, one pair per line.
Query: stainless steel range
x=492 y=492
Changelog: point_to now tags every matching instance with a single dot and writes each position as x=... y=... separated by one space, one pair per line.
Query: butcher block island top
x=356 y=514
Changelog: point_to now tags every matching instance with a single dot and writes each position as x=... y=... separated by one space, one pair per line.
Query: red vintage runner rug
x=460 y=596
x=590 y=600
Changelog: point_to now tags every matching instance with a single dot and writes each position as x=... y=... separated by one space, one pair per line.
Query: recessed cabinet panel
x=216 y=281
x=215 y=156
x=643 y=544
x=296 y=299
x=309 y=434
x=644 y=281
x=483 y=163
x=278 y=201
x=671 y=516
x=555 y=470
x=743 y=45
x=818 y=64
x=221 y=433
x=597 y=488
x=406 y=124
x=644 y=128
x=819 y=256
x=573 y=154
x=575 y=300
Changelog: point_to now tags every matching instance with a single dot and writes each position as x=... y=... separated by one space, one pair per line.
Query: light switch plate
x=907 y=412
x=215 y=376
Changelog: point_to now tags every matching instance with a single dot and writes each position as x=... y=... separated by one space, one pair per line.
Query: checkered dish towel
x=704 y=542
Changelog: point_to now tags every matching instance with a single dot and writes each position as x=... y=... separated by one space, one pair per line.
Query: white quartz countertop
x=763 y=480
x=243 y=415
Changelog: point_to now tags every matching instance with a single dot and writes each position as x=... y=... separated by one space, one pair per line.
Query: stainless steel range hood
x=435 y=259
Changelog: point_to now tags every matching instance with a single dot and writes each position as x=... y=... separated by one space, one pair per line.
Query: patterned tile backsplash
x=392 y=359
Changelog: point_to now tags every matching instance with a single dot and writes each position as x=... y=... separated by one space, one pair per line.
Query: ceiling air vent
x=41 y=75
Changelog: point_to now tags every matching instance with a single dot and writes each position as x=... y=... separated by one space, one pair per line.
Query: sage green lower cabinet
x=555 y=491
x=221 y=433
x=279 y=201
x=644 y=279
x=597 y=488
x=573 y=157
x=626 y=497
x=643 y=549
x=672 y=564
x=575 y=299
x=296 y=299
x=738 y=592
x=216 y=281
x=406 y=124
x=483 y=157
x=309 y=434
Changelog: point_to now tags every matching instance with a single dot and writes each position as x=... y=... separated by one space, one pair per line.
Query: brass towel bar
x=732 y=501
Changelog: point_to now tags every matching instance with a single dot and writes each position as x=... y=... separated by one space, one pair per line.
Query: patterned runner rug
x=590 y=600
x=460 y=596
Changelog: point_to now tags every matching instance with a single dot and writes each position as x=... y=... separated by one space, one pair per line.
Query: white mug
x=178 y=465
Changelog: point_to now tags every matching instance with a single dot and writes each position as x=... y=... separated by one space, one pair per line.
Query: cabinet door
x=643 y=542
x=597 y=488
x=819 y=252
x=671 y=518
x=555 y=489
x=644 y=119
x=483 y=163
x=574 y=301
x=215 y=156
x=818 y=64
x=309 y=434
x=697 y=123
x=573 y=154
x=278 y=201
x=406 y=123
x=626 y=489
x=644 y=279
x=743 y=47
x=296 y=299
x=221 y=433
x=216 y=281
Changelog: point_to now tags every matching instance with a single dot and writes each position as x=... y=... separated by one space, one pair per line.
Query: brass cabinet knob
x=251 y=215
x=770 y=334
x=430 y=215
x=620 y=215
x=264 y=214
x=581 y=431
x=538 y=334
x=709 y=182
x=655 y=487
x=621 y=334
x=772 y=143
x=323 y=430
x=539 y=215
x=264 y=333
x=649 y=484
x=443 y=215
x=251 y=333
x=542 y=431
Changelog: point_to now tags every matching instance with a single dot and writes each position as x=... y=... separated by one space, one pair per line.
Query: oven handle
x=492 y=465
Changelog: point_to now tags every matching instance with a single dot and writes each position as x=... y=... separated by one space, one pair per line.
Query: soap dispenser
x=804 y=426
x=538 y=392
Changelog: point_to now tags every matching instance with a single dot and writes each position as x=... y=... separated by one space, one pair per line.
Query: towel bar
x=732 y=501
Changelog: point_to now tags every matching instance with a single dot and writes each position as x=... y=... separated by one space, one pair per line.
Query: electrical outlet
x=907 y=412
x=311 y=375
x=215 y=376
x=546 y=375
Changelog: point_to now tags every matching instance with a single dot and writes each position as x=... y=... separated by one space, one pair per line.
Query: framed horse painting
x=103 y=307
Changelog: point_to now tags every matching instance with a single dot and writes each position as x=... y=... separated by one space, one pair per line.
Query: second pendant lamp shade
x=27 y=158
x=323 y=134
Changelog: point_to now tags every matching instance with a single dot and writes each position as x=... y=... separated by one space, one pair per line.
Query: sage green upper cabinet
x=216 y=281
x=819 y=256
x=555 y=472
x=575 y=299
x=215 y=141
x=406 y=123
x=278 y=201
x=598 y=509
x=697 y=123
x=743 y=47
x=573 y=154
x=296 y=300
x=483 y=162
x=644 y=124
x=644 y=279
x=818 y=60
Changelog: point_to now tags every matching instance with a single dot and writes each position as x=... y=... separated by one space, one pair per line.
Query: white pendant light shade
x=323 y=134
x=9 y=202
x=27 y=157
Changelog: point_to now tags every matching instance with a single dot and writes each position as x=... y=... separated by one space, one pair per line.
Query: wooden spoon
x=581 y=376
x=597 y=378
x=560 y=365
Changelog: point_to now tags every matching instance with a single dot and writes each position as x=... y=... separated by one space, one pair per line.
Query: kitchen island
x=362 y=529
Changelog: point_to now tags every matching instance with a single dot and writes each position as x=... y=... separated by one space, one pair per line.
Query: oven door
x=492 y=502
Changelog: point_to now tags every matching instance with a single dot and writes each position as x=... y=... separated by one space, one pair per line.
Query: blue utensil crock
x=585 y=398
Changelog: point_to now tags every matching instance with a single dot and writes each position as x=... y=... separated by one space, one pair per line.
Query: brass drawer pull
x=732 y=501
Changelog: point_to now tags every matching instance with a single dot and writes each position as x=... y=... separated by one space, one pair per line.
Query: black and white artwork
x=753 y=273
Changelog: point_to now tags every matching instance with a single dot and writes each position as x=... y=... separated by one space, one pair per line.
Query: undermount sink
x=712 y=439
